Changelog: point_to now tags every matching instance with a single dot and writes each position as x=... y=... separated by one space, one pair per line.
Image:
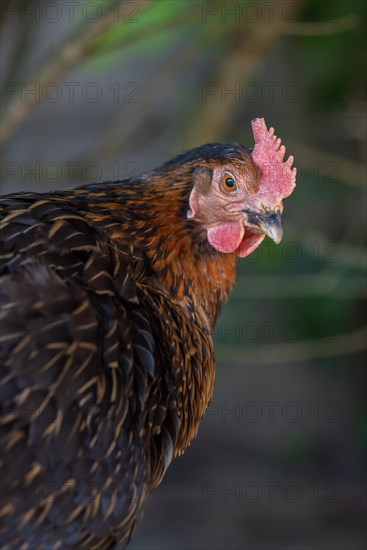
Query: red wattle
x=226 y=237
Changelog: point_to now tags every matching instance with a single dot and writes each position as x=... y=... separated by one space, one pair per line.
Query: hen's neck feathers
x=151 y=214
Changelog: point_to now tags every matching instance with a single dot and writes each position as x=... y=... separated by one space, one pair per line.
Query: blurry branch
x=247 y=54
x=160 y=84
x=346 y=23
x=73 y=52
x=249 y=49
x=155 y=30
x=277 y=354
x=291 y=286
x=349 y=171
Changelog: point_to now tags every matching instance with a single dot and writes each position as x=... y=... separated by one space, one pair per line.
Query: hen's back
x=77 y=358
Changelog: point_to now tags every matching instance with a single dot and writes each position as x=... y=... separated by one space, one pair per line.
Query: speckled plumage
x=109 y=294
x=108 y=297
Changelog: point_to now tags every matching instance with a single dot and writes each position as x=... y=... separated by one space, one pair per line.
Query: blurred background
x=103 y=90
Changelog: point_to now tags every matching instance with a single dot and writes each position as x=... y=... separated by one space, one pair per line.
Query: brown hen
x=109 y=294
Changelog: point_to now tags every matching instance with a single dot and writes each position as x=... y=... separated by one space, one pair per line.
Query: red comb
x=278 y=178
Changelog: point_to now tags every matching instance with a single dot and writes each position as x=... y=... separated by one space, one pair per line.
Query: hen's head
x=238 y=195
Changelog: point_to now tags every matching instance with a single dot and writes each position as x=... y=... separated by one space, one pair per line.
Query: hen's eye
x=229 y=184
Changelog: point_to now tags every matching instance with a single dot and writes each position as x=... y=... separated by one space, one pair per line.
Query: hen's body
x=108 y=297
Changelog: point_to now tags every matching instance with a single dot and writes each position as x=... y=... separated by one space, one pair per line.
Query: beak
x=270 y=224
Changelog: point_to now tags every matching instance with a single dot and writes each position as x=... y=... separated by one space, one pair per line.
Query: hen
x=109 y=294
